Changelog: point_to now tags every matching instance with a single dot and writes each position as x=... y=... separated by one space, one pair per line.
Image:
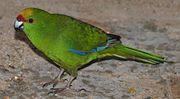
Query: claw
x=59 y=90
x=56 y=90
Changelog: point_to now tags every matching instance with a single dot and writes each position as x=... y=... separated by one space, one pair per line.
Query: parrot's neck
x=38 y=42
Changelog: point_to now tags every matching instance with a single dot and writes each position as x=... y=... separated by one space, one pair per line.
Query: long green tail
x=129 y=53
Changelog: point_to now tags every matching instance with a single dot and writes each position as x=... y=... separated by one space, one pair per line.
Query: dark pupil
x=30 y=20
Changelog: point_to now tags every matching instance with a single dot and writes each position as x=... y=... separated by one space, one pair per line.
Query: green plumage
x=56 y=35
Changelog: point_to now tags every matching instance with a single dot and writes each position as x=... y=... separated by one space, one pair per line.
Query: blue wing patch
x=91 y=51
x=78 y=52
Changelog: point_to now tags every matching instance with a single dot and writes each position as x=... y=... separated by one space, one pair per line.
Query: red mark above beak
x=21 y=18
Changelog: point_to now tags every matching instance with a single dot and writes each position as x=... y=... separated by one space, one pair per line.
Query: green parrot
x=71 y=43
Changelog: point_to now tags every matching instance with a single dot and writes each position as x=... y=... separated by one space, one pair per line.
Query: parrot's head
x=30 y=20
x=24 y=18
x=33 y=23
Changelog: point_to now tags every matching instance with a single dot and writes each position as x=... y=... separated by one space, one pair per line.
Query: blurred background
x=151 y=25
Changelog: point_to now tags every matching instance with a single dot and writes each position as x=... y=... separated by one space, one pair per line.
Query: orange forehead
x=26 y=12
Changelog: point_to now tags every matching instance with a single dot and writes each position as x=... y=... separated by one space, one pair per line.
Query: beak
x=18 y=25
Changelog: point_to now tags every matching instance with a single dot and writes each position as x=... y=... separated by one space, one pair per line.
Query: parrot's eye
x=30 y=20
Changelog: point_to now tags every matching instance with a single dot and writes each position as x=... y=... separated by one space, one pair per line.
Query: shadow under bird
x=71 y=43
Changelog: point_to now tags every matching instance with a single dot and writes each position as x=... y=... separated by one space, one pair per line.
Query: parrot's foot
x=55 y=81
x=66 y=88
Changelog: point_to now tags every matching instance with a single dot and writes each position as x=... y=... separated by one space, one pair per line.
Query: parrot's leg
x=70 y=82
x=54 y=82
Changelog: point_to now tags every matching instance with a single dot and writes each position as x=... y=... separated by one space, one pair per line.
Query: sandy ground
x=151 y=25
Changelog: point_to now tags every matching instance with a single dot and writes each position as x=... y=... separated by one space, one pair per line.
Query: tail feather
x=126 y=52
x=153 y=58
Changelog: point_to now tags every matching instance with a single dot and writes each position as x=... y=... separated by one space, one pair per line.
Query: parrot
x=72 y=44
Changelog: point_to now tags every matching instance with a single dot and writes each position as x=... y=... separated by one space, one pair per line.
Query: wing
x=83 y=38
